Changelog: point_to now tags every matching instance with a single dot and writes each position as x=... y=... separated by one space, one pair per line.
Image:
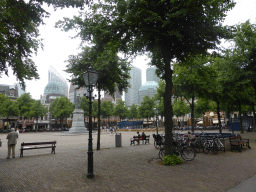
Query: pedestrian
x=18 y=131
x=12 y=141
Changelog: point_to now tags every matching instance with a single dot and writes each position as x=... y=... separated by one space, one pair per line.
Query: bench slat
x=28 y=148
x=49 y=144
x=39 y=143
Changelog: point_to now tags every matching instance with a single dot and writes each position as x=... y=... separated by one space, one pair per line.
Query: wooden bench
x=237 y=143
x=38 y=145
x=140 y=138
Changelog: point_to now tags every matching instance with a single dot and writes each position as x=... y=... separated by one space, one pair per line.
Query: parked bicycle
x=187 y=153
x=158 y=140
x=213 y=144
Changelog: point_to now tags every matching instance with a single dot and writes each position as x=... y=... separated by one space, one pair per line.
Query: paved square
x=124 y=168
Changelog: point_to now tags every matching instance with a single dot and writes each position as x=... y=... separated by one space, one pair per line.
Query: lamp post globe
x=90 y=79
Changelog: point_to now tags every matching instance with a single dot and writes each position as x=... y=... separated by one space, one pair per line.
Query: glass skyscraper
x=151 y=75
x=56 y=83
x=132 y=95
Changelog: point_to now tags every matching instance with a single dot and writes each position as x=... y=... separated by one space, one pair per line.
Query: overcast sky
x=58 y=45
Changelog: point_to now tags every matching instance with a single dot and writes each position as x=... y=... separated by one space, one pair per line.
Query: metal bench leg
x=21 y=152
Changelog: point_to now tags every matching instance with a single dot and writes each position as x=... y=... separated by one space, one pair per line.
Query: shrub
x=172 y=160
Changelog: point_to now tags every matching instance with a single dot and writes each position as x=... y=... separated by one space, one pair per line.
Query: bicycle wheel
x=197 y=147
x=206 y=148
x=215 y=148
x=156 y=144
x=187 y=153
x=161 y=153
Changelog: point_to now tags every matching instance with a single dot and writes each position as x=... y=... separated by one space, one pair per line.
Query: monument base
x=78 y=122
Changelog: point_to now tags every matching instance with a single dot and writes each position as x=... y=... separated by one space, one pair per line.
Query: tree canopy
x=19 y=34
x=61 y=108
x=36 y=110
x=146 y=108
x=167 y=29
x=121 y=110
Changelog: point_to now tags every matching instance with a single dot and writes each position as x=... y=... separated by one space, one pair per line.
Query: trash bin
x=118 y=140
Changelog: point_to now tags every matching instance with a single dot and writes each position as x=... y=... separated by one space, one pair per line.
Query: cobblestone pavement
x=118 y=168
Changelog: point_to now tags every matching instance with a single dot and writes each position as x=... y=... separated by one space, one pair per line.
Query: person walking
x=12 y=141
x=18 y=131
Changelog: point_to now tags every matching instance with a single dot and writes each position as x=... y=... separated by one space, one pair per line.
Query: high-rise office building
x=151 y=75
x=56 y=82
x=115 y=99
x=150 y=87
x=135 y=82
x=56 y=87
x=20 y=90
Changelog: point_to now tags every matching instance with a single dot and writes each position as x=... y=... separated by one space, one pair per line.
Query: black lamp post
x=90 y=79
x=156 y=111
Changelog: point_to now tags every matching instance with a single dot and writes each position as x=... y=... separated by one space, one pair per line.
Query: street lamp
x=156 y=111
x=90 y=79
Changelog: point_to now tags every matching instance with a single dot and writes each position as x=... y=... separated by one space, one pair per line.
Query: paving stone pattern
x=125 y=168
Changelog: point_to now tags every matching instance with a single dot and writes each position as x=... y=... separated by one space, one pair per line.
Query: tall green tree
x=61 y=108
x=8 y=108
x=159 y=96
x=203 y=105
x=191 y=79
x=113 y=72
x=36 y=110
x=180 y=108
x=19 y=34
x=121 y=110
x=167 y=29
x=146 y=108
x=245 y=56
x=24 y=102
x=133 y=112
x=107 y=109
x=95 y=109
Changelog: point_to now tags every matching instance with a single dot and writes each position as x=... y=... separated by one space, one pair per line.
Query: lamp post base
x=90 y=175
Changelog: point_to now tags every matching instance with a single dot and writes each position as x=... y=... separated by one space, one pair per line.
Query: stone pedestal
x=78 y=122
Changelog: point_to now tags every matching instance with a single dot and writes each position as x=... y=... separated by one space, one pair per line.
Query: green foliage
x=180 y=108
x=203 y=105
x=36 y=110
x=24 y=103
x=172 y=160
x=85 y=106
x=113 y=70
x=19 y=35
x=8 y=108
x=166 y=29
x=146 y=108
x=107 y=109
x=121 y=110
x=61 y=108
x=133 y=112
x=95 y=108
x=19 y=22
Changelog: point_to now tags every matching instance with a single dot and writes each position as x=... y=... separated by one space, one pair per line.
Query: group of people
x=12 y=141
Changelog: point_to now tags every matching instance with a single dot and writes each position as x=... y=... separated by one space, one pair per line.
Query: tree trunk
x=254 y=118
x=168 y=111
x=147 y=122
x=240 y=118
x=192 y=113
x=218 y=112
x=98 y=139
x=37 y=125
x=61 y=124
